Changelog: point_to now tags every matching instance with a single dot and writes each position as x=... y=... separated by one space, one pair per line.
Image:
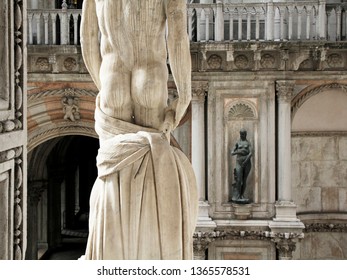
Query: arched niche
x=321 y=109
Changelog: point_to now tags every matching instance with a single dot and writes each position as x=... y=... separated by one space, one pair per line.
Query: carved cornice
x=318 y=133
x=305 y=95
x=245 y=235
x=61 y=92
x=325 y=227
x=284 y=91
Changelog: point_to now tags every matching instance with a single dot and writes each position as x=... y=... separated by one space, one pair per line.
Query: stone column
x=198 y=151
x=35 y=190
x=284 y=96
x=285 y=224
x=56 y=177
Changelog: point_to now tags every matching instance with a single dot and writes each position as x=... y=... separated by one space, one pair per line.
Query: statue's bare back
x=133 y=51
x=132 y=75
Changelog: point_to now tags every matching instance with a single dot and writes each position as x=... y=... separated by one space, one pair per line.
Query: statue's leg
x=149 y=92
x=246 y=171
x=239 y=179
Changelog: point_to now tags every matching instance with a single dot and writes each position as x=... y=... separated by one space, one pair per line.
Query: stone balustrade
x=54 y=26
x=306 y=20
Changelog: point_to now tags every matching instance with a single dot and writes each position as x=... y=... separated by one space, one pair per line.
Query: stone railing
x=54 y=27
x=222 y=21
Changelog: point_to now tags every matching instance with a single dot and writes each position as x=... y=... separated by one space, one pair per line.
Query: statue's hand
x=168 y=123
x=179 y=107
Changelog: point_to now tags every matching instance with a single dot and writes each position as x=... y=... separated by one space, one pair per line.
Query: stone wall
x=319 y=172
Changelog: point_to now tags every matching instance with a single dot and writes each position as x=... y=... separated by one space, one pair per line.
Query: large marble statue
x=144 y=202
x=243 y=152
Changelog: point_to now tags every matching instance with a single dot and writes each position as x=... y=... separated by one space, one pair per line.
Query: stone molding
x=228 y=234
x=301 y=98
x=19 y=198
x=318 y=133
x=67 y=128
x=74 y=92
x=325 y=227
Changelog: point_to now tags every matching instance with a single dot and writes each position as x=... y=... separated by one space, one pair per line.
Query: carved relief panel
x=12 y=129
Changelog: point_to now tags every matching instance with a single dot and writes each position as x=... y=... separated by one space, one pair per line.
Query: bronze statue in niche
x=243 y=152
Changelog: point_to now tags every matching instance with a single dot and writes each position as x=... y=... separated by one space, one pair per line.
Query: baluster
x=219 y=22
x=30 y=28
x=322 y=19
x=38 y=28
x=64 y=25
x=308 y=24
x=270 y=21
x=281 y=14
x=207 y=21
x=198 y=24
x=299 y=24
x=75 y=25
x=248 y=25
x=231 y=25
x=257 y=26
x=240 y=25
x=190 y=22
x=45 y=18
x=338 y=23
x=290 y=23
x=54 y=28
x=314 y=25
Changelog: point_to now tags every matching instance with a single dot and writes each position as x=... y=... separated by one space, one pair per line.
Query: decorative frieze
x=325 y=227
x=74 y=92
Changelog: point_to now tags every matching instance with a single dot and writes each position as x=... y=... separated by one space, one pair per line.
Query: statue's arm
x=179 y=55
x=89 y=40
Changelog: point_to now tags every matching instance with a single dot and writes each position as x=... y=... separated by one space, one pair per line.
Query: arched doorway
x=61 y=175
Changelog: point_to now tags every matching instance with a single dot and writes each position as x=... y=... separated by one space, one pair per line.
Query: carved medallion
x=241 y=61
x=267 y=61
x=42 y=63
x=214 y=62
x=70 y=64
x=335 y=60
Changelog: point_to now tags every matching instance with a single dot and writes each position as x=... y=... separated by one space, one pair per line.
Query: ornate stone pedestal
x=242 y=211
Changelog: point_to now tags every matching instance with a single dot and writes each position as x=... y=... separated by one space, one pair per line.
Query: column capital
x=199 y=92
x=35 y=190
x=284 y=91
x=201 y=242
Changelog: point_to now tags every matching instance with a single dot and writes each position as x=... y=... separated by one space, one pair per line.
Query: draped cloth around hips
x=144 y=202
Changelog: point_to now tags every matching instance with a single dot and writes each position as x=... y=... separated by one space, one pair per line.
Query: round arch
x=48 y=117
